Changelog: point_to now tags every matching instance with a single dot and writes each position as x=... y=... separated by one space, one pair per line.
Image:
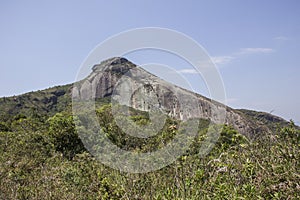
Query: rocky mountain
x=131 y=85
x=122 y=81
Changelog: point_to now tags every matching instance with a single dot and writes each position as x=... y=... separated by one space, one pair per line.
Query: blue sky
x=255 y=44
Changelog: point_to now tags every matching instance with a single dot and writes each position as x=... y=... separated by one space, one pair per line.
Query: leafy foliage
x=64 y=136
x=43 y=157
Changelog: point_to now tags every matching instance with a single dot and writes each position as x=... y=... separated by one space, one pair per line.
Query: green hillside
x=43 y=102
x=42 y=157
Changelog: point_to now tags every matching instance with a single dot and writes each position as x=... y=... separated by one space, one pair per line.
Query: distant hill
x=43 y=102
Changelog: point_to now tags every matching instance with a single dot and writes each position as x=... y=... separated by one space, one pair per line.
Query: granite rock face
x=133 y=86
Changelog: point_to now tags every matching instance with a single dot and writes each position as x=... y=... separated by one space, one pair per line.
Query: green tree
x=4 y=127
x=64 y=136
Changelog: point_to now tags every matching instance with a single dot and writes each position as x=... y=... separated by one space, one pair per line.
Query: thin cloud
x=281 y=38
x=221 y=60
x=231 y=100
x=255 y=50
x=188 y=71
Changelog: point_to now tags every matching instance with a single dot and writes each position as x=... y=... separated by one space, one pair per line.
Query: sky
x=254 y=44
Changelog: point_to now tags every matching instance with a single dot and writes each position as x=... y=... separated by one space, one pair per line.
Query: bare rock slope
x=133 y=86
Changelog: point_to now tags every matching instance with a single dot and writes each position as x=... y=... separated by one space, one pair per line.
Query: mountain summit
x=117 y=64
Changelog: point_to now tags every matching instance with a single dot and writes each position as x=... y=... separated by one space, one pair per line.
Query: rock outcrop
x=131 y=85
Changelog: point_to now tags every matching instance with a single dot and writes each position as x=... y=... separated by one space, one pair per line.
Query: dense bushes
x=44 y=159
x=64 y=136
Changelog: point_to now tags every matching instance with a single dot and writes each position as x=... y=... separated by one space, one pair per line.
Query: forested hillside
x=42 y=158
